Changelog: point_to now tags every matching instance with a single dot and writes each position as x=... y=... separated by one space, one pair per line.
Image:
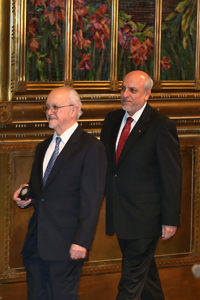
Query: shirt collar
x=66 y=135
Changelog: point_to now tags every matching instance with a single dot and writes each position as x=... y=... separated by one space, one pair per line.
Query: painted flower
x=32 y=26
x=165 y=63
x=79 y=41
x=79 y=15
x=103 y=8
x=140 y=50
x=99 y=29
x=38 y=2
x=78 y=4
x=33 y=44
x=85 y=63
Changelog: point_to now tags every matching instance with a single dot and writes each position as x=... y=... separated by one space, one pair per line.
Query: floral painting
x=91 y=40
x=178 y=48
x=135 y=36
x=45 y=52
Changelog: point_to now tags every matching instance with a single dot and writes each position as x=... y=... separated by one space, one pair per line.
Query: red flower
x=32 y=26
x=103 y=8
x=139 y=50
x=85 y=63
x=48 y=60
x=33 y=44
x=79 y=41
x=78 y=4
x=52 y=5
x=79 y=15
x=99 y=29
x=165 y=63
x=38 y=2
x=122 y=38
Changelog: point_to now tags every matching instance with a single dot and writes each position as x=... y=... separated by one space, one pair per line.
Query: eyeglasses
x=54 y=108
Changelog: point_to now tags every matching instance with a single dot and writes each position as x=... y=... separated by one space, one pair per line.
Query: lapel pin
x=139 y=130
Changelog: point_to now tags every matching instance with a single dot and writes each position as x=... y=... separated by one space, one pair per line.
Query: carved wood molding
x=6 y=113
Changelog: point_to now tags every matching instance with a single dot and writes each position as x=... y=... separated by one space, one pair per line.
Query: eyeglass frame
x=54 y=108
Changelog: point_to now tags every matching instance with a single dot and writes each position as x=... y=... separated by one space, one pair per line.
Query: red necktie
x=123 y=137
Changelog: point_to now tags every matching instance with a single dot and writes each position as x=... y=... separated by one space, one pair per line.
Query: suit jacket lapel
x=136 y=132
x=65 y=154
x=40 y=161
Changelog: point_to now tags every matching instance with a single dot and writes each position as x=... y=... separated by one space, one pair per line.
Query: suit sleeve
x=91 y=194
x=170 y=168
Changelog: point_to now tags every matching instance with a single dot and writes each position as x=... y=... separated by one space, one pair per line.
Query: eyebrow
x=129 y=87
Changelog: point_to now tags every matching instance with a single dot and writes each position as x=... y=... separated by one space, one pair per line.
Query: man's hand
x=168 y=231
x=77 y=252
x=21 y=203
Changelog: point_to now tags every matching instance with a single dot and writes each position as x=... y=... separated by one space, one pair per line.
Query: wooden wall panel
x=21 y=163
x=103 y=268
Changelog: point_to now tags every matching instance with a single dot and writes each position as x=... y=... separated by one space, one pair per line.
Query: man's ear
x=74 y=110
x=148 y=93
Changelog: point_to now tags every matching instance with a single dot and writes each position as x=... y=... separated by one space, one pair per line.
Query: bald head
x=148 y=82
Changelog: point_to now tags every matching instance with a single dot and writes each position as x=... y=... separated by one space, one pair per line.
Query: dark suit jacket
x=143 y=191
x=66 y=210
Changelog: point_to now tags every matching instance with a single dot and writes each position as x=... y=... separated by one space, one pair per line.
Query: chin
x=52 y=126
x=124 y=107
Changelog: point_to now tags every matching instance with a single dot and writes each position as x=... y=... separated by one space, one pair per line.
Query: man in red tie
x=143 y=191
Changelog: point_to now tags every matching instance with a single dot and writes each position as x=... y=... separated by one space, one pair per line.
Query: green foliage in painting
x=178 y=42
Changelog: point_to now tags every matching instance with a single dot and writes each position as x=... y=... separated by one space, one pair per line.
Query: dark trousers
x=140 y=276
x=50 y=280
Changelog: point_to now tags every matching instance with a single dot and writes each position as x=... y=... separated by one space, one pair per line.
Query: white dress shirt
x=135 y=117
x=64 y=139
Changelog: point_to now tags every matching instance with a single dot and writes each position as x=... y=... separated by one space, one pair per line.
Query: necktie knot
x=58 y=140
x=129 y=120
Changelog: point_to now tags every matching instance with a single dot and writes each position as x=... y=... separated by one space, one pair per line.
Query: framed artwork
x=92 y=44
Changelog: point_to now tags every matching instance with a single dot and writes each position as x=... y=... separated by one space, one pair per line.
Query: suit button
x=42 y=200
x=115 y=175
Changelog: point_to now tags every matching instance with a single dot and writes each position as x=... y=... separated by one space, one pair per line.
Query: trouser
x=50 y=280
x=139 y=272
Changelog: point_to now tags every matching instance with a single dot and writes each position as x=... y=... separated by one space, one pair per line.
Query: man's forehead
x=130 y=86
x=133 y=82
x=56 y=98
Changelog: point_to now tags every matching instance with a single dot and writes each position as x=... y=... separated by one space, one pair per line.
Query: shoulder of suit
x=115 y=114
x=159 y=116
x=88 y=137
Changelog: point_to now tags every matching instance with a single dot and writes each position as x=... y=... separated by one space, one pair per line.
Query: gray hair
x=148 y=83
x=75 y=99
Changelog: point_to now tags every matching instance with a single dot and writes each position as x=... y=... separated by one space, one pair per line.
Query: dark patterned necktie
x=52 y=160
x=123 y=137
